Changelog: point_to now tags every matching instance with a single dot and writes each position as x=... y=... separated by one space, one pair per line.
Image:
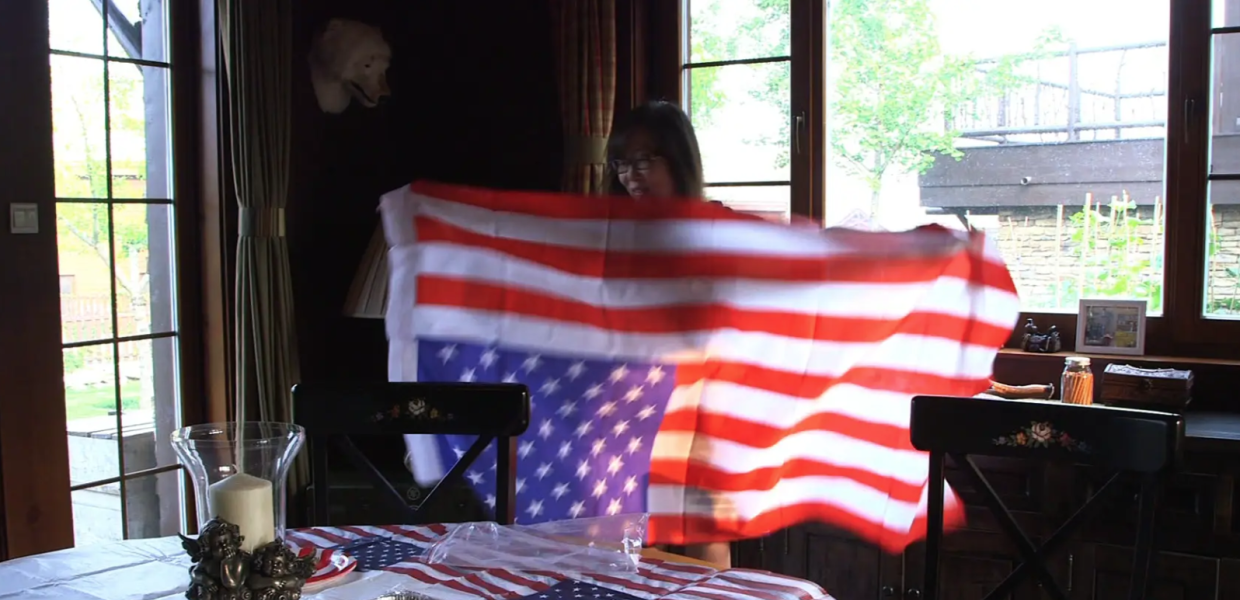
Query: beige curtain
x=586 y=56
x=257 y=43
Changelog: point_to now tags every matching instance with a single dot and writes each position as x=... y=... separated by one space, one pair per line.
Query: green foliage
x=895 y=91
x=1114 y=258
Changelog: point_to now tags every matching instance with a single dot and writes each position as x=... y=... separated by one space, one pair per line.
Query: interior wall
x=474 y=102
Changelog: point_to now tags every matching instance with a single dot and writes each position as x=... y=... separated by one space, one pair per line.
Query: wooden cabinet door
x=1103 y=572
x=842 y=564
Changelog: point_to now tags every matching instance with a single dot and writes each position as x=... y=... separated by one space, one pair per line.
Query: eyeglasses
x=641 y=163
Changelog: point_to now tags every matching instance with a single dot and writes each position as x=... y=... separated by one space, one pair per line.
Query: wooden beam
x=34 y=456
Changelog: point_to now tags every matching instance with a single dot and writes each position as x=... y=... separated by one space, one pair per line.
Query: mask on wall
x=349 y=61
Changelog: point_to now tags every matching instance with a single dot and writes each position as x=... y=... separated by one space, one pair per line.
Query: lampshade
x=368 y=296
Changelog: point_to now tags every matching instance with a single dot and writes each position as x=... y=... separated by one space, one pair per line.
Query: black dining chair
x=334 y=413
x=1129 y=443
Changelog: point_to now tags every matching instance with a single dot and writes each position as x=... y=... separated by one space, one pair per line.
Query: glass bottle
x=1077 y=384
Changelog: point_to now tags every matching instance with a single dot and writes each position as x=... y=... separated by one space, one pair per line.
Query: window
x=115 y=209
x=1222 y=285
x=737 y=92
x=1079 y=134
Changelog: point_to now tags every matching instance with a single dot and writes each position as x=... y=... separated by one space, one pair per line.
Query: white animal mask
x=349 y=60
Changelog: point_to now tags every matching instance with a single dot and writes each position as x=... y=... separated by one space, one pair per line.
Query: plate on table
x=329 y=564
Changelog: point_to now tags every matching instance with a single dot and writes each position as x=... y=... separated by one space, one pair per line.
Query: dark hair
x=672 y=133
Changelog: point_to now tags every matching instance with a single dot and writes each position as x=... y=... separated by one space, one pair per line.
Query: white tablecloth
x=158 y=568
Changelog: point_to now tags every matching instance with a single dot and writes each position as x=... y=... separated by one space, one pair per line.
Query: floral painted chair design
x=1130 y=443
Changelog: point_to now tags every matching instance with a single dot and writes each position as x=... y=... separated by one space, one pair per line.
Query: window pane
x=97 y=515
x=79 y=131
x=1030 y=120
x=738 y=29
x=137 y=29
x=75 y=26
x=1222 y=293
x=154 y=504
x=144 y=274
x=150 y=398
x=82 y=244
x=741 y=114
x=141 y=161
x=773 y=202
x=1226 y=13
x=90 y=413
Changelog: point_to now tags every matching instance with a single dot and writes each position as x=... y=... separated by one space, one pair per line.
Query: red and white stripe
x=654 y=579
x=797 y=349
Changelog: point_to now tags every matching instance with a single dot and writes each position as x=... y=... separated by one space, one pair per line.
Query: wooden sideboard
x=1198 y=537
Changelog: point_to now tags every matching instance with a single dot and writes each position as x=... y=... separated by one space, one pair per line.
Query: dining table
x=391 y=559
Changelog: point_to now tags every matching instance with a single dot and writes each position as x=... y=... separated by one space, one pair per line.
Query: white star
x=619 y=373
x=600 y=488
x=447 y=353
x=583 y=469
x=549 y=387
x=655 y=375
x=594 y=391
x=646 y=412
x=576 y=509
x=615 y=464
x=490 y=501
x=575 y=370
x=474 y=477
x=582 y=429
x=559 y=490
x=613 y=507
x=488 y=358
x=542 y=471
x=635 y=444
x=545 y=428
x=494 y=465
x=531 y=363
x=520 y=484
x=567 y=409
x=619 y=428
x=597 y=447
x=510 y=378
x=525 y=448
x=468 y=375
x=630 y=484
x=458 y=452
x=607 y=408
x=634 y=394
x=566 y=448
x=535 y=508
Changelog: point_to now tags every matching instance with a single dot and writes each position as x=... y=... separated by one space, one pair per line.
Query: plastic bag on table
x=591 y=545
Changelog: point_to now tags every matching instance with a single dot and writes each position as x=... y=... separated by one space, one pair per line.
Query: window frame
x=35 y=507
x=1182 y=331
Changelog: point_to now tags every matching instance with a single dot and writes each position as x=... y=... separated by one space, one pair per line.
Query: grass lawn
x=97 y=401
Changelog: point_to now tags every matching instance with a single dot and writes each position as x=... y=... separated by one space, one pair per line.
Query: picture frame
x=1111 y=327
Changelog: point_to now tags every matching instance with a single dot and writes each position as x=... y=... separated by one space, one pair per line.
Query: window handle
x=796 y=133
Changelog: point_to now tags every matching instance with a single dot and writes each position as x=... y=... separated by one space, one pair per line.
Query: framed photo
x=1111 y=327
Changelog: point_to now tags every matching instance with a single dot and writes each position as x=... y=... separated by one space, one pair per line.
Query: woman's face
x=642 y=171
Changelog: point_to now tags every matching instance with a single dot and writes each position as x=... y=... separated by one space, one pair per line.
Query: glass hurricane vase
x=241 y=475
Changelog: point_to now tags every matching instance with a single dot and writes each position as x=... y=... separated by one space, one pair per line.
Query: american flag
x=400 y=549
x=787 y=354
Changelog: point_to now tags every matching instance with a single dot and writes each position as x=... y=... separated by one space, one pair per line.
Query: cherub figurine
x=276 y=573
x=220 y=566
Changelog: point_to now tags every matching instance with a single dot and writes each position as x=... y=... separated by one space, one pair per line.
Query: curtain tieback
x=585 y=150
x=261 y=222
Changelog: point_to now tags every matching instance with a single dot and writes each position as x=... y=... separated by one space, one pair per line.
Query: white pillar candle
x=245 y=501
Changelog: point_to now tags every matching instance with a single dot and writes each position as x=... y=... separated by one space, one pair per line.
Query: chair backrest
x=1119 y=438
x=383 y=408
x=332 y=413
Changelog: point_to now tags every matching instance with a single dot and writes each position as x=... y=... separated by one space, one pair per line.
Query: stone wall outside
x=1039 y=262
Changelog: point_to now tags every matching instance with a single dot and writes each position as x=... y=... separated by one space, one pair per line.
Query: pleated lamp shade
x=368 y=295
